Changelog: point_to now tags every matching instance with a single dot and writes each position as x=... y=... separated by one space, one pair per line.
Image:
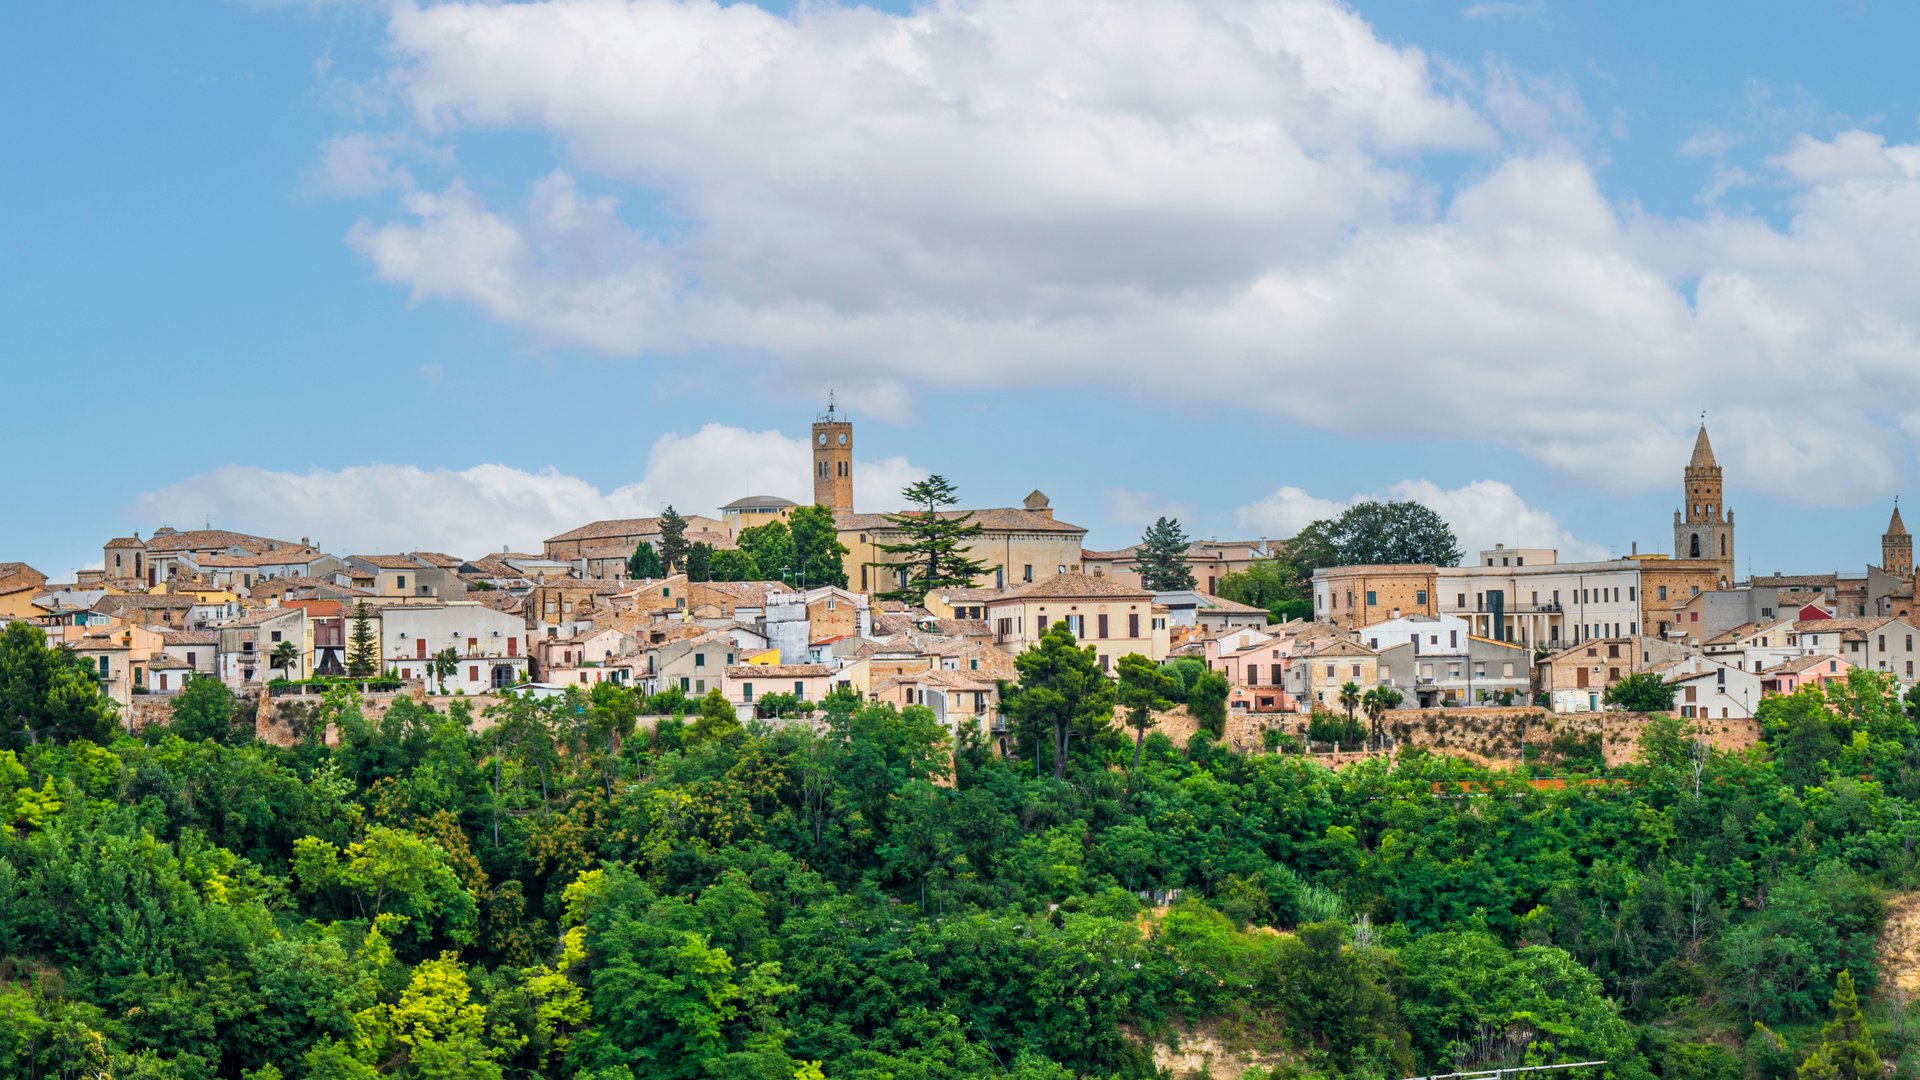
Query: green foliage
x=1062 y=696
x=819 y=556
x=1846 y=1049
x=1643 y=693
x=645 y=563
x=673 y=540
x=934 y=551
x=46 y=693
x=1391 y=532
x=363 y=647
x=206 y=709
x=699 y=561
x=1144 y=690
x=1207 y=702
x=1283 y=584
x=1162 y=557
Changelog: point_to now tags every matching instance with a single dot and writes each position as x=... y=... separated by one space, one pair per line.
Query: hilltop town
x=767 y=600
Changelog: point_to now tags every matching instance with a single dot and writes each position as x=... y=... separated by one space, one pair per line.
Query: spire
x=1702 y=450
x=1896 y=527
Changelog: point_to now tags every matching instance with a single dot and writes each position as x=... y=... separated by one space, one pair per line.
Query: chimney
x=1636 y=549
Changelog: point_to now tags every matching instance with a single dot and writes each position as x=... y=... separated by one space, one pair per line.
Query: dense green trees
x=645 y=564
x=1644 y=692
x=46 y=693
x=804 y=552
x=558 y=892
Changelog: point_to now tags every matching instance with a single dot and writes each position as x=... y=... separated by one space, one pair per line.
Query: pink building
x=1255 y=664
x=1787 y=677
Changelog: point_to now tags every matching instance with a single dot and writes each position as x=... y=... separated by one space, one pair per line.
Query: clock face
x=843 y=438
x=823 y=438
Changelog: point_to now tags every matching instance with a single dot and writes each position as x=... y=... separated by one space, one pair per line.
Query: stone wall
x=1486 y=735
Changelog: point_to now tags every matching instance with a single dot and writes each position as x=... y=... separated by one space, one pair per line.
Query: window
x=1461 y=600
x=1506 y=670
x=1026 y=572
x=1277 y=674
x=746 y=691
x=1519 y=560
x=1662 y=592
x=1133 y=624
x=1420 y=597
x=401 y=580
x=1329 y=671
x=276 y=636
x=190 y=659
x=1253 y=674
x=699 y=686
x=1356 y=671
x=1103 y=625
x=1105 y=663
x=473 y=673
x=699 y=659
x=1613 y=652
x=800 y=690
x=686 y=683
x=1372 y=598
x=1631 y=591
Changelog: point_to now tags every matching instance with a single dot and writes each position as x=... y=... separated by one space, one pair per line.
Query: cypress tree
x=363 y=653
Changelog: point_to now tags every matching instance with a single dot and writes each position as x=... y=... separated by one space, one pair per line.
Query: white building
x=490 y=646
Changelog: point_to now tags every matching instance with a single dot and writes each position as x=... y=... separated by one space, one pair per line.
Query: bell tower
x=833 y=459
x=1896 y=546
x=1703 y=527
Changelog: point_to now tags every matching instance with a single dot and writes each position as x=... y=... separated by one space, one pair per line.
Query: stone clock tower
x=833 y=460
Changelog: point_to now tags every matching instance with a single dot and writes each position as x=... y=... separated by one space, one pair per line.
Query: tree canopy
x=1162 y=557
x=571 y=887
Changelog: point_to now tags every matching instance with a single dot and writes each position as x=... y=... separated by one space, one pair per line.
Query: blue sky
x=255 y=251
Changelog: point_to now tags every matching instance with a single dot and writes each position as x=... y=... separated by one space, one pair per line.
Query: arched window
x=1696 y=546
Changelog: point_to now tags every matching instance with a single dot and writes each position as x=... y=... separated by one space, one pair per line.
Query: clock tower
x=833 y=460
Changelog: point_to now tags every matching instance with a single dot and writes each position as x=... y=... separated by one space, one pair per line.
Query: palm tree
x=1378 y=701
x=284 y=656
x=1350 y=697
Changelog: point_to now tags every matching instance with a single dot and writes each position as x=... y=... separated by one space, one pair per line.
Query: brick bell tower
x=833 y=459
x=1703 y=528
x=1896 y=546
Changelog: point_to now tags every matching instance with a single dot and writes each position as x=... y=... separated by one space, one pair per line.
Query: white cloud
x=1134 y=508
x=1707 y=142
x=381 y=508
x=1849 y=155
x=1482 y=513
x=357 y=164
x=1504 y=9
x=988 y=194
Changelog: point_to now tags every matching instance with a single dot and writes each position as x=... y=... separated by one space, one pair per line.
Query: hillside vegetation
x=561 y=895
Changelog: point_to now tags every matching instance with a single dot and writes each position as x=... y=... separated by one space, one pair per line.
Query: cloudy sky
x=462 y=275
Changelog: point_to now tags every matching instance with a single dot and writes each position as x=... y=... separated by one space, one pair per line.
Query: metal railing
x=1501 y=1074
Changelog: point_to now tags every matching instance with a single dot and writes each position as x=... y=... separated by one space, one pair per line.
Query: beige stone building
x=1019 y=546
x=600 y=549
x=1115 y=618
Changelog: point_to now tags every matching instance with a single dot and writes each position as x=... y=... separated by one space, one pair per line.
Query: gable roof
x=998 y=519
x=1073 y=584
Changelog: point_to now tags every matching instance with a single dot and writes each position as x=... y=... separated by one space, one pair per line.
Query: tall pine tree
x=673 y=540
x=933 y=555
x=1162 y=557
x=1846 y=1049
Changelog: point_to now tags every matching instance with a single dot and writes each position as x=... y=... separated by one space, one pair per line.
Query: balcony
x=1510 y=609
